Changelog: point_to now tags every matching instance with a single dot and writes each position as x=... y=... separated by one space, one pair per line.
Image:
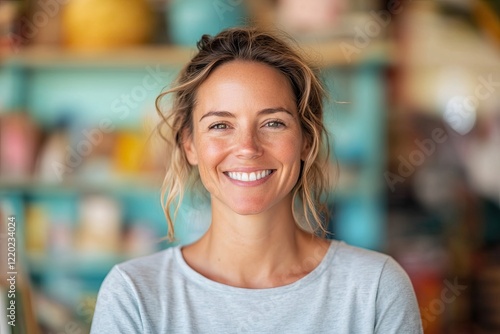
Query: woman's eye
x=275 y=124
x=219 y=126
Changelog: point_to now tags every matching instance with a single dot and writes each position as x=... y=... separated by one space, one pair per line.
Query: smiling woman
x=247 y=120
x=257 y=133
x=296 y=84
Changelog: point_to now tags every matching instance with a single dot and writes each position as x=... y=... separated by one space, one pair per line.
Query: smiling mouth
x=249 y=177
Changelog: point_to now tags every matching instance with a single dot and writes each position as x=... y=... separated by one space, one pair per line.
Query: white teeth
x=248 y=177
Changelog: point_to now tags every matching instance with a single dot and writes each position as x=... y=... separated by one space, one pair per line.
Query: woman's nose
x=248 y=145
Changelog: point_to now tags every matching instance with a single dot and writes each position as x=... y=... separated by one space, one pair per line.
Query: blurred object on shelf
x=74 y=151
x=425 y=261
x=54 y=315
x=51 y=162
x=314 y=16
x=139 y=240
x=37 y=228
x=453 y=85
x=60 y=237
x=96 y=24
x=435 y=225
x=479 y=154
x=487 y=298
x=99 y=230
x=41 y=23
x=159 y=9
x=447 y=61
x=188 y=20
x=436 y=254
x=358 y=22
x=95 y=147
x=129 y=152
x=487 y=18
x=19 y=136
x=9 y=40
x=155 y=156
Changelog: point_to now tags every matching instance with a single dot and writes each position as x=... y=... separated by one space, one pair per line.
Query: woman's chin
x=255 y=208
x=248 y=208
x=253 y=205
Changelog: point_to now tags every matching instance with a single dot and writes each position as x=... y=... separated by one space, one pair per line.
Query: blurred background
x=413 y=114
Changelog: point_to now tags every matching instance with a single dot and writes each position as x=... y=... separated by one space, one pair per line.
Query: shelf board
x=120 y=185
x=331 y=53
x=324 y=54
x=45 y=56
x=80 y=264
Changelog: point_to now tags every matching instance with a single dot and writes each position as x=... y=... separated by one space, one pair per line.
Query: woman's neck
x=255 y=251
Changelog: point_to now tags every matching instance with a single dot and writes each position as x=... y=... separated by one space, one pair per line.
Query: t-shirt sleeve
x=396 y=305
x=117 y=308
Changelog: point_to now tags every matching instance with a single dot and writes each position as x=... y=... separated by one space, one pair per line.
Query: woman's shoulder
x=148 y=267
x=357 y=255
x=359 y=262
x=134 y=291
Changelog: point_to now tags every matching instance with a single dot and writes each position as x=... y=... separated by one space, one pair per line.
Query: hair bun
x=204 y=42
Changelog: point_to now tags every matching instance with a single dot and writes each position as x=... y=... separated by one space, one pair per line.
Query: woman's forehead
x=245 y=83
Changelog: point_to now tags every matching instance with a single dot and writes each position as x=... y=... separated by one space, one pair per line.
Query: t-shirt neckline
x=196 y=277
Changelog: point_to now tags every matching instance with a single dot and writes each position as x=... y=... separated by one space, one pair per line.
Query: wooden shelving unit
x=44 y=56
x=323 y=54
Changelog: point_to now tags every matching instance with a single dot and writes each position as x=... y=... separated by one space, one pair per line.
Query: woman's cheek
x=211 y=153
x=289 y=147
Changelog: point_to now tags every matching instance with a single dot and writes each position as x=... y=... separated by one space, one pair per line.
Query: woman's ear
x=306 y=147
x=189 y=148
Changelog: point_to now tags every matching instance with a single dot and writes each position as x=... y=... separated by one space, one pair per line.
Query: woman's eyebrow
x=217 y=113
x=265 y=111
x=268 y=111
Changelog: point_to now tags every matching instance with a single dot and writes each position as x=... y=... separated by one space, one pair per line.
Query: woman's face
x=247 y=139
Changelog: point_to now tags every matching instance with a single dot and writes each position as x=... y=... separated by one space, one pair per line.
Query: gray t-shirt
x=352 y=290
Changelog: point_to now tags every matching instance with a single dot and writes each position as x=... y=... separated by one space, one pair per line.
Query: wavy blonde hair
x=248 y=44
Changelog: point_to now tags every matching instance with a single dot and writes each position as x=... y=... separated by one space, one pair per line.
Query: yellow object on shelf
x=37 y=227
x=105 y=24
x=129 y=152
